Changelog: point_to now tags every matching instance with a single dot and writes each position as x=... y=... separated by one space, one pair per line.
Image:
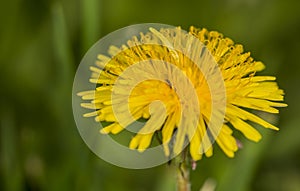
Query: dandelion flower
x=244 y=91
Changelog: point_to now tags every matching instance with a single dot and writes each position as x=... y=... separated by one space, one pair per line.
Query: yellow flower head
x=169 y=78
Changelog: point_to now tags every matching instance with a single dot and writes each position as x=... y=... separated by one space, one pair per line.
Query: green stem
x=183 y=174
x=183 y=178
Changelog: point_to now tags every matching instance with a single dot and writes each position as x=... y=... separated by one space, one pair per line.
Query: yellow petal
x=246 y=129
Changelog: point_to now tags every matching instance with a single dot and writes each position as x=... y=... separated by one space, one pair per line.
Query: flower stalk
x=183 y=178
x=183 y=173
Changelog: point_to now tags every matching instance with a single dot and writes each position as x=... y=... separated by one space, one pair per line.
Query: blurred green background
x=41 y=45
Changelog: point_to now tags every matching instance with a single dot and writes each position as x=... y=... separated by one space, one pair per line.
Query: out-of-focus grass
x=43 y=41
x=91 y=22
